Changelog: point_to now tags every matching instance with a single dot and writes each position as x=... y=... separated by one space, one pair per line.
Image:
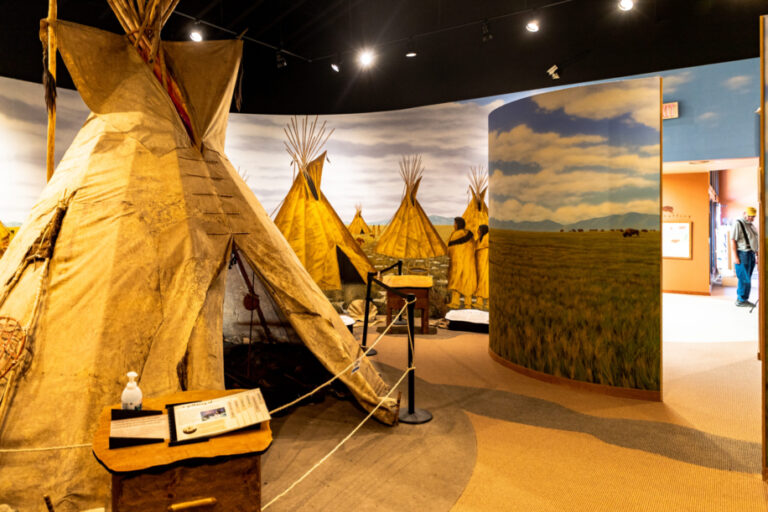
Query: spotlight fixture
x=487 y=36
x=532 y=26
x=626 y=5
x=552 y=72
x=410 y=51
x=196 y=34
x=366 y=58
x=336 y=63
x=280 y=60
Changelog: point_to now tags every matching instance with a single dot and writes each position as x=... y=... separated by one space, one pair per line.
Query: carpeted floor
x=502 y=441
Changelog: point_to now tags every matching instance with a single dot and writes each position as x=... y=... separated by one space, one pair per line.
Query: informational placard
x=213 y=417
x=676 y=240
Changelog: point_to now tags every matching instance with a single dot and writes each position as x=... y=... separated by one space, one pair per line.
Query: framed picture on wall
x=676 y=241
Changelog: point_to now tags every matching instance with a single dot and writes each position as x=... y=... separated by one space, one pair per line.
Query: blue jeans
x=744 y=273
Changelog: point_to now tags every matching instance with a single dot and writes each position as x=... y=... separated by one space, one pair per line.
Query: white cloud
x=707 y=116
x=640 y=97
x=363 y=150
x=570 y=187
x=554 y=152
x=672 y=82
x=739 y=83
x=514 y=210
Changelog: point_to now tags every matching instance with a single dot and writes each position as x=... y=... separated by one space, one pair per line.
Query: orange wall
x=738 y=189
x=688 y=195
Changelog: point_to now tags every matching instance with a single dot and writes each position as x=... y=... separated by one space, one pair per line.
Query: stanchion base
x=370 y=352
x=419 y=416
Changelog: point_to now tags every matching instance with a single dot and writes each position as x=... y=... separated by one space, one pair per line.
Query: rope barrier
x=341 y=443
x=351 y=365
x=273 y=411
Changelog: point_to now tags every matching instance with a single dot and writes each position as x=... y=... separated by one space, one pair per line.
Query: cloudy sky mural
x=577 y=154
x=364 y=150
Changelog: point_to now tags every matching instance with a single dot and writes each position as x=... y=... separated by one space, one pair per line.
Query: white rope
x=44 y=449
x=341 y=443
x=351 y=365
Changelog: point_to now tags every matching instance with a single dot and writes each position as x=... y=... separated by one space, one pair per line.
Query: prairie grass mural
x=575 y=233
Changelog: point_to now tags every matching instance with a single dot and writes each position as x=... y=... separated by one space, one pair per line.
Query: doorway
x=709 y=345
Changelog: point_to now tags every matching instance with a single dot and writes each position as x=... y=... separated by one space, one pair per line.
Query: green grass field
x=585 y=306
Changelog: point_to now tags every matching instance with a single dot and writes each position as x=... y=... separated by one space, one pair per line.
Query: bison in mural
x=630 y=232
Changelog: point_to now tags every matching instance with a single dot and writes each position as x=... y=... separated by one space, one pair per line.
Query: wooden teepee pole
x=51 y=146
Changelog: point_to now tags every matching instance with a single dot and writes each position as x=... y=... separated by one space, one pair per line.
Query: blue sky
x=577 y=153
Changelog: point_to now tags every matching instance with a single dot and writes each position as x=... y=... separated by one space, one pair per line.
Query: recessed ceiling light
x=532 y=26
x=196 y=36
x=366 y=58
x=411 y=54
x=335 y=67
x=626 y=5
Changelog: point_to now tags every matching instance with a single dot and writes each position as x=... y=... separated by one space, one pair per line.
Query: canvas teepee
x=122 y=262
x=5 y=238
x=306 y=218
x=477 y=211
x=358 y=227
x=410 y=234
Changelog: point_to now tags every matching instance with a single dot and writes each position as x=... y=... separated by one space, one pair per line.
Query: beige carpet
x=531 y=445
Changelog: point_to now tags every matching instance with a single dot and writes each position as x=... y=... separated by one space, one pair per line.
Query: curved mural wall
x=575 y=233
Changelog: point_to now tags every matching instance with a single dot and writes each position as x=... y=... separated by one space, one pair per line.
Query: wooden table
x=221 y=474
x=417 y=285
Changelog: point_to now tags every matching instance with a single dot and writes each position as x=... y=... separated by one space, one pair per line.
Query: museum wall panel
x=575 y=241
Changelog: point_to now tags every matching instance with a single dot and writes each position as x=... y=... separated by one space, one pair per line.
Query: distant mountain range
x=625 y=220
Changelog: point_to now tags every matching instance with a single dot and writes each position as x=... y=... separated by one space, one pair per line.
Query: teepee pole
x=51 y=142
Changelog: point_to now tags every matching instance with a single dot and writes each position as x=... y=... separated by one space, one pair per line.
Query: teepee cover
x=312 y=227
x=411 y=234
x=358 y=226
x=477 y=210
x=122 y=262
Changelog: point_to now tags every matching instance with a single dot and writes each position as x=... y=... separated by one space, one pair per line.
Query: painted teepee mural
x=306 y=218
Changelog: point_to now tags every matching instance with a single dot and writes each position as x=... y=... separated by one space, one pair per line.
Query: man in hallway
x=744 y=247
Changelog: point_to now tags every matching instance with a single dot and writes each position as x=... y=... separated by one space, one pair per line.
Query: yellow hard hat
x=751 y=211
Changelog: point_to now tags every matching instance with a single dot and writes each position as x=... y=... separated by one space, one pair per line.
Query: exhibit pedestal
x=222 y=473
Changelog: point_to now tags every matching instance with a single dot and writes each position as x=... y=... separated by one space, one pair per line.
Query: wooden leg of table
x=425 y=321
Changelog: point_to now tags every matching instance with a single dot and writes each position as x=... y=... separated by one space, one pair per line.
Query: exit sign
x=669 y=110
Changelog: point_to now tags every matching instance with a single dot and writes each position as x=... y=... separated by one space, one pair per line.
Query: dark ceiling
x=587 y=39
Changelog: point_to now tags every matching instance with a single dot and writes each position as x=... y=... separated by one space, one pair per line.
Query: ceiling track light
x=486 y=31
x=280 y=60
x=626 y=5
x=532 y=25
x=410 y=51
x=196 y=34
x=336 y=64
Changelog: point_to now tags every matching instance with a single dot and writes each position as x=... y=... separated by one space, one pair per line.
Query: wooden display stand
x=221 y=474
x=419 y=286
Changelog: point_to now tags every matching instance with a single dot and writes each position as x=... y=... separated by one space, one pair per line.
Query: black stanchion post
x=412 y=415
x=364 y=345
x=400 y=267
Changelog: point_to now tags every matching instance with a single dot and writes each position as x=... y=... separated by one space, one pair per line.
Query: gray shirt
x=738 y=235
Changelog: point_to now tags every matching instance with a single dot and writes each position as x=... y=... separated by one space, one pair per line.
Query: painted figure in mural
x=462 y=271
x=744 y=240
x=481 y=260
